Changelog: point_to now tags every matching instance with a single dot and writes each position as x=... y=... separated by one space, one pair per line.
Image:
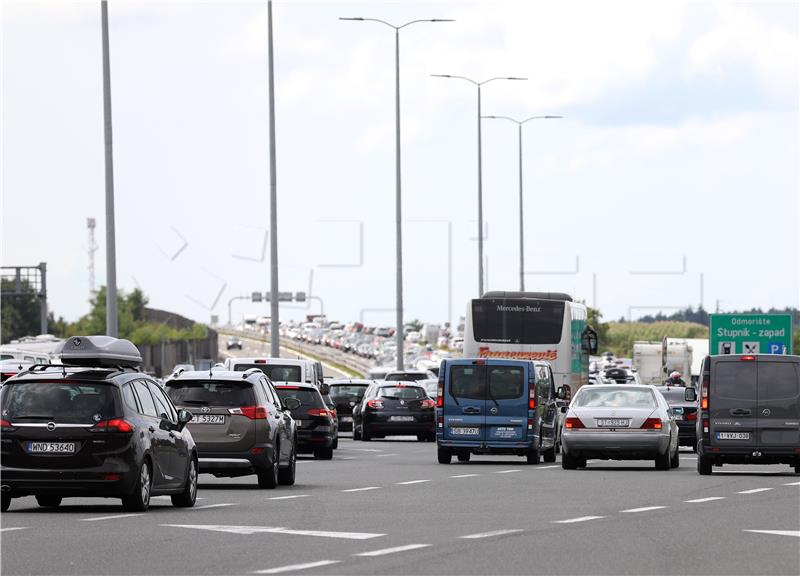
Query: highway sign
x=750 y=334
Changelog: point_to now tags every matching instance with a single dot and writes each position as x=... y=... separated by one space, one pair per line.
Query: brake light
x=375 y=404
x=288 y=387
x=427 y=403
x=573 y=423
x=704 y=393
x=5 y=426
x=319 y=412
x=255 y=450
x=115 y=425
x=691 y=416
x=747 y=358
x=440 y=391
x=6 y=375
x=254 y=412
x=260 y=361
x=532 y=398
x=704 y=404
x=652 y=424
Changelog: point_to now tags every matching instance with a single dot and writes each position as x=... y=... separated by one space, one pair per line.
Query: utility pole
x=111 y=247
x=274 y=339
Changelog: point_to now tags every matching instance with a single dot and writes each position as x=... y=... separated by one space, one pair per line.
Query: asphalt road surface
x=387 y=507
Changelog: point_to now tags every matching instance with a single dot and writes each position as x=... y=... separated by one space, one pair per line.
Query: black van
x=749 y=411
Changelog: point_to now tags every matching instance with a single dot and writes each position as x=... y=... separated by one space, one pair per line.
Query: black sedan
x=685 y=414
x=396 y=409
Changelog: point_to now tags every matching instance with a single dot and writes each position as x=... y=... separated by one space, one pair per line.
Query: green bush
x=620 y=336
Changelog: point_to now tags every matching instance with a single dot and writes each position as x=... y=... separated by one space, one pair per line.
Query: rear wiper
x=454 y=397
x=201 y=402
x=489 y=391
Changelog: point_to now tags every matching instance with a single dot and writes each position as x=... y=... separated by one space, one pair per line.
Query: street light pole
x=519 y=124
x=480 y=166
x=398 y=188
x=274 y=338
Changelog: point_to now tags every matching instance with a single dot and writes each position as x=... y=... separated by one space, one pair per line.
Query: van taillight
x=532 y=398
x=704 y=392
x=573 y=423
x=652 y=424
x=704 y=403
x=115 y=425
x=440 y=390
x=705 y=425
x=254 y=412
x=747 y=358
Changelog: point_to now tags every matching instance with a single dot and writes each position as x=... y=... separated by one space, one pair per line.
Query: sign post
x=750 y=334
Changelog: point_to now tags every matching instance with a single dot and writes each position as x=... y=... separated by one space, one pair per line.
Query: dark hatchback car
x=684 y=411
x=346 y=393
x=397 y=409
x=240 y=425
x=94 y=426
x=317 y=430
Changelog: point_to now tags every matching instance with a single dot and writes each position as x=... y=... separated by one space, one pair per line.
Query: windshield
x=347 y=390
x=404 y=392
x=275 y=372
x=614 y=398
x=211 y=393
x=405 y=377
x=522 y=321
x=75 y=403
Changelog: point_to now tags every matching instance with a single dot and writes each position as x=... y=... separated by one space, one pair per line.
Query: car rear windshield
x=74 y=402
x=211 y=393
x=308 y=398
x=405 y=377
x=404 y=392
x=275 y=372
x=505 y=382
x=614 y=398
x=347 y=390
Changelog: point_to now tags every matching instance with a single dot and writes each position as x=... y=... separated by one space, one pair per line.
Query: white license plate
x=463 y=431
x=208 y=419
x=678 y=417
x=401 y=418
x=733 y=435
x=346 y=418
x=51 y=447
x=613 y=422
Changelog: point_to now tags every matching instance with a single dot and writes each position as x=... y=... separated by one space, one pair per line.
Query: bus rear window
x=275 y=372
x=524 y=321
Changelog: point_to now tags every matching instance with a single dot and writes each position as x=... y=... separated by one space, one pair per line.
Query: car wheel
x=662 y=461
x=421 y=438
x=463 y=456
x=365 y=434
x=47 y=501
x=568 y=462
x=5 y=502
x=335 y=443
x=268 y=478
x=444 y=455
x=286 y=475
x=797 y=468
x=704 y=466
x=550 y=455
x=356 y=433
x=324 y=453
x=675 y=460
x=188 y=497
x=532 y=456
x=139 y=499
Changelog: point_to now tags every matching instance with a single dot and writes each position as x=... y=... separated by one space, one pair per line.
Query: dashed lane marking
x=114 y=517
x=547 y=467
x=362 y=489
x=384 y=455
x=644 y=509
x=296 y=567
x=276 y=530
x=288 y=497
x=754 y=491
x=700 y=500
x=407 y=482
x=169 y=497
x=464 y=475
x=490 y=534
x=11 y=529
x=394 y=550
x=792 y=484
x=579 y=519
x=795 y=533
x=507 y=471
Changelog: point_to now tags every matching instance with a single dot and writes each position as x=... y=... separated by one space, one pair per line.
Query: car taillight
x=652 y=424
x=704 y=404
x=115 y=425
x=254 y=412
x=705 y=425
x=440 y=391
x=6 y=375
x=532 y=398
x=572 y=423
x=375 y=404
x=427 y=403
x=691 y=416
x=319 y=412
x=5 y=426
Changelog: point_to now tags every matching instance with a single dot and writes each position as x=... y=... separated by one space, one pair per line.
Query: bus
x=546 y=326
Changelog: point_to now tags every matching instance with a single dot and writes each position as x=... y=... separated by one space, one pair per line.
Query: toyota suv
x=749 y=411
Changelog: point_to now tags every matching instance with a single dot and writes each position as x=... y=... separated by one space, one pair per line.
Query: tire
x=139 y=499
x=550 y=455
x=188 y=497
x=432 y=437
x=444 y=455
x=532 y=456
x=268 y=477
x=797 y=468
x=421 y=438
x=663 y=460
x=5 y=502
x=704 y=467
x=324 y=453
x=675 y=460
x=464 y=456
x=365 y=434
x=568 y=462
x=335 y=443
x=286 y=475
x=47 y=501
x=356 y=433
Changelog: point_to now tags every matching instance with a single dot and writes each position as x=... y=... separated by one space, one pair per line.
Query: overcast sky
x=679 y=143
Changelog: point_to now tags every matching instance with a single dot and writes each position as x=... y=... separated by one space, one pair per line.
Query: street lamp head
x=442 y=20
x=442 y=75
x=353 y=18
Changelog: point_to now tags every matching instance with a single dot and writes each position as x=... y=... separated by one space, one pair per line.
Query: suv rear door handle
x=152 y=429
x=740 y=412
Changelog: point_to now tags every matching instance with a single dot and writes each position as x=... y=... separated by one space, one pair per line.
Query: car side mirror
x=324 y=389
x=292 y=404
x=562 y=393
x=564 y=409
x=184 y=417
x=690 y=395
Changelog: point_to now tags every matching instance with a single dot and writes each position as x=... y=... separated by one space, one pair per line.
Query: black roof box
x=99 y=351
x=537 y=295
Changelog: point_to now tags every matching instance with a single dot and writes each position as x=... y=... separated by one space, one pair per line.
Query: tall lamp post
x=398 y=203
x=519 y=124
x=480 y=167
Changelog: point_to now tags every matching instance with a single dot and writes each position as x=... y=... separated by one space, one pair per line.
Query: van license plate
x=733 y=435
x=208 y=419
x=51 y=447
x=462 y=431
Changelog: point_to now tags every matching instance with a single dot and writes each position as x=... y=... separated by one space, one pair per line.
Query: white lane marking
x=384 y=455
x=276 y=530
x=490 y=534
x=411 y=482
x=645 y=509
x=709 y=499
x=506 y=471
x=464 y=475
x=362 y=489
x=306 y=461
x=548 y=467
x=168 y=497
x=347 y=458
x=795 y=533
x=754 y=491
x=110 y=517
x=363 y=449
x=393 y=550
x=295 y=567
x=14 y=528
x=580 y=519
x=288 y=497
x=207 y=506
x=792 y=484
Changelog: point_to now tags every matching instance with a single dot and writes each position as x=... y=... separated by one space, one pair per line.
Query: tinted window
x=777 y=380
x=614 y=398
x=404 y=392
x=211 y=393
x=129 y=398
x=517 y=321
x=405 y=377
x=734 y=380
x=506 y=382
x=308 y=398
x=148 y=406
x=347 y=391
x=84 y=403
x=275 y=372
x=468 y=382
x=162 y=404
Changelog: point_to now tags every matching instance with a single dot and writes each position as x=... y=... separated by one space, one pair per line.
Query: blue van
x=487 y=406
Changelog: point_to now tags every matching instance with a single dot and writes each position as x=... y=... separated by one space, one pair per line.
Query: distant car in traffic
x=409 y=375
x=317 y=429
x=684 y=411
x=346 y=393
x=394 y=408
x=233 y=342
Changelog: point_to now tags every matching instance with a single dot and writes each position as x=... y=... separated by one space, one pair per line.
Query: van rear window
x=778 y=380
x=505 y=382
x=275 y=372
x=60 y=402
x=211 y=393
x=737 y=380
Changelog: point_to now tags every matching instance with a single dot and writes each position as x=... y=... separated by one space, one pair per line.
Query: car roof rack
x=249 y=372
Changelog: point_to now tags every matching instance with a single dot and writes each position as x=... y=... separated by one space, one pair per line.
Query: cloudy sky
x=678 y=152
